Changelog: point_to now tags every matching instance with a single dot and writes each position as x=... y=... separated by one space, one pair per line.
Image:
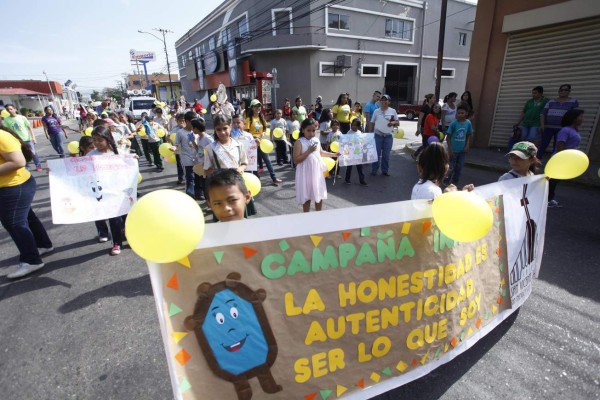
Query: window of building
x=447 y=73
x=243 y=27
x=462 y=39
x=211 y=43
x=398 y=29
x=370 y=70
x=183 y=59
x=329 y=69
x=226 y=35
x=339 y=21
x=282 y=21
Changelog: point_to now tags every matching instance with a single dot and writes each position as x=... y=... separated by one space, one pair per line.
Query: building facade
x=139 y=81
x=287 y=49
x=36 y=94
x=518 y=45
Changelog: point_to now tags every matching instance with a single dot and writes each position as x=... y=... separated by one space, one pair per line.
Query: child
x=325 y=128
x=310 y=181
x=105 y=145
x=86 y=144
x=227 y=195
x=522 y=159
x=357 y=112
x=186 y=142
x=459 y=140
x=203 y=141
x=355 y=128
x=224 y=152
x=432 y=166
x=430 y=127
x=280 y=145
x=179 y=124
x=257 y=125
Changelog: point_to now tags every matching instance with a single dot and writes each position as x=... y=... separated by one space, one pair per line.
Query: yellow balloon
x=139 y=178
x=252 y=183
x=462 y=216
x=4 y=114
x=166 y=239
x=399 y=134
x=170 y=158
x=161 y=132
x=172 y=136
x=165 y=150
x=334 y=146
x=567 y=164
x=203 y=111
x=442 y=136
x=213 y=98
x=142 y=132
x=163 y=104
x=278 y=133
x=266 y=145
x=88 y=131
x=329 y=163
x=296 y=134
x=73 y=147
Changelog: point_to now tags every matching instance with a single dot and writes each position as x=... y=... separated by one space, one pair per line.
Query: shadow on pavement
x=19 y=287
x=134 y=287
x=437 y=382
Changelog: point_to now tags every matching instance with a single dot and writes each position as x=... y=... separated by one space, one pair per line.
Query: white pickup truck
x=135 y=105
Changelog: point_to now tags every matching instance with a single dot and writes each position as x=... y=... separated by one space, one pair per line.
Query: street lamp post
x=164 y=31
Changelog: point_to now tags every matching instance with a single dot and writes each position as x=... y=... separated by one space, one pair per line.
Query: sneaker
x=348 y=182
x=38 y=169
x=45 y=250
x=116 y=250
x=24 y=269
x=364 y=183
x=385 y=174
x=276 y=181
x=261 y=170
x=554 y=204
x=102 y=239
x=179 y=181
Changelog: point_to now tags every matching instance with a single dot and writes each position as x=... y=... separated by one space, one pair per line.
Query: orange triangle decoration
x=185 y=262
x=426 y=226
x=454 y=341
x=177 y=336
x=248 y=252
x=478 y=323
x=415 y=362
x=173 y=284
x=346 y=235
x=401 y=366
x=311 y=396
x=499 y=300
x=183 y=357
x=340 y=390
x=498 y=251
x=316 y=239
x=361 y=384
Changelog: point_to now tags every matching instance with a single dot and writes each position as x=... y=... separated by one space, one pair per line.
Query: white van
x=136 y=105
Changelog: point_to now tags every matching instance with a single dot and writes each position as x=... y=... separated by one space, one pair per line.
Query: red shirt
x=198 y=108
x=430 y=121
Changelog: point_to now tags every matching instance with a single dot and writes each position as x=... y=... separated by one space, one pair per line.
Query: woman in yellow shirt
x=17 y=188
x=257 y=125
x=341 y=110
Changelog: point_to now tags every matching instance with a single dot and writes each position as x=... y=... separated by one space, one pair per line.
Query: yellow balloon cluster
x=462 y=216
x=252 y=183
x=329 y=163
x=278 y=133
x=73 y=147
x=567 y=164
x=334 y=146
x=161 y=132
x=166 y=239
x=266 y=146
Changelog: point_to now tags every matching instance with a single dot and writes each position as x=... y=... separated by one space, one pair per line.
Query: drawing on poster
x=357 y=148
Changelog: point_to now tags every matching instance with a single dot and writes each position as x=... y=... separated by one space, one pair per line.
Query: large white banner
x=357 y=148
x=346 y=303
x=84 y=189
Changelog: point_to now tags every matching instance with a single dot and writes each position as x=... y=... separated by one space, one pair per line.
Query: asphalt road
x=85 y=326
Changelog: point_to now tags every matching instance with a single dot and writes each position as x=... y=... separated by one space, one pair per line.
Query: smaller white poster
x=357 y=148
x=84 y=189
x=251 y=148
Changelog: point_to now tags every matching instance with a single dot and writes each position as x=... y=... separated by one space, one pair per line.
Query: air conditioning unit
x=136 y=92
x=144 y=92
x=344 y=61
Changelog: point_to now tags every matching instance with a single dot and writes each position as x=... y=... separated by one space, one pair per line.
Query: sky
x=89 y=42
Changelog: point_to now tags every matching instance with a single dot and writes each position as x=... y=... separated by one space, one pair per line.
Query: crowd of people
x=211 y=166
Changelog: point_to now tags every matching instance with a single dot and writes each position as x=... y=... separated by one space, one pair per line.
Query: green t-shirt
x=20 y=125
x=532 y=111
x=300 y=113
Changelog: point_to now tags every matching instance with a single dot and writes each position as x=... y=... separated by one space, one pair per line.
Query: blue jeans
x=36 y=159
x=547 y=136
x=116 y=229
x=194 y=184
x=265 y=158
x=383 y=144
x=57 y=143
x=529 y=133
x=456 y=163
x=21 y=223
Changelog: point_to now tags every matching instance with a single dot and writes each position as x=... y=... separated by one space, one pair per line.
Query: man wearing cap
x=522 y=159
x=384 y=119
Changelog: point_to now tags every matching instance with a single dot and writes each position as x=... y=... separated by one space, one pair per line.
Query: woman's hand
x=468 y=187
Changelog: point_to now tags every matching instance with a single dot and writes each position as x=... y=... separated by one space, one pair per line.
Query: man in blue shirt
x=370 y=107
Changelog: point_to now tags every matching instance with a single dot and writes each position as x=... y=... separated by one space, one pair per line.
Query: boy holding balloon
x=280 y=144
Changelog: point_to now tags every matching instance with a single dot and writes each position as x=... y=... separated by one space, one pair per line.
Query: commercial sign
x=142 y=55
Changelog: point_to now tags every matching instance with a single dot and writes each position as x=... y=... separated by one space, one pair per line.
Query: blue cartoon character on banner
x=235 y=336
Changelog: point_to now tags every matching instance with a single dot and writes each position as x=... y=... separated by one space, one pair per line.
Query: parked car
x=411 y=111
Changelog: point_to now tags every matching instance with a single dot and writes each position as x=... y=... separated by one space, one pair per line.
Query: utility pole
x=440 y=55
x=50 y=87
x=164 y=31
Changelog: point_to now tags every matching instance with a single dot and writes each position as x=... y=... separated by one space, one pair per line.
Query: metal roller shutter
x=565 y=53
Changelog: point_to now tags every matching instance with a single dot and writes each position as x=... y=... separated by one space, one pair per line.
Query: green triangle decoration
x=487 y=314
x=504 y=292
x=283 y=245
x=218 y=256
x=438 y=352
x=501 y=266
x=365 y=232
x=462 y=336
x=325 y=393
x=387 y=371
x=174 y=310
x=184 y=386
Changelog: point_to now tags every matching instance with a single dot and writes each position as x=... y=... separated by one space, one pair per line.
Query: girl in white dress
x=310 y=181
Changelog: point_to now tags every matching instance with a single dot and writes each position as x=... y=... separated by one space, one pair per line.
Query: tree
x=115 y=93
x=96 y=95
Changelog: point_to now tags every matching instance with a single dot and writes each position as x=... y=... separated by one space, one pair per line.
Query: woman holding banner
x=17 y=189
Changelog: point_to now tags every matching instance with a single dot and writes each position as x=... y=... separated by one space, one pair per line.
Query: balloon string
x=336 y=170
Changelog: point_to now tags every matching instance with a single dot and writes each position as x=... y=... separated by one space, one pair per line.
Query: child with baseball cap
x=522 y=159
